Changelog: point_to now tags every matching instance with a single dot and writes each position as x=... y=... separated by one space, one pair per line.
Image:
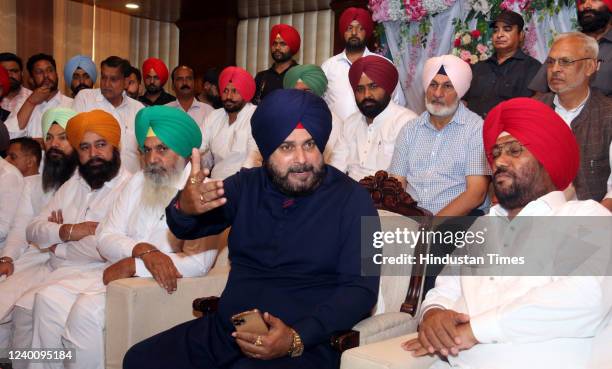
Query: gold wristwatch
x=297 y=347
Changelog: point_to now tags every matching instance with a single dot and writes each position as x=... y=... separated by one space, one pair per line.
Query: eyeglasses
x=563 y=62
x=512 y=148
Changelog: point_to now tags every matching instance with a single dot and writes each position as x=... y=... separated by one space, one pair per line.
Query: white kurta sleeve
x=12 y=124
x=253 y=157
x=79 y=103
x=566 y=307
x=189 y=265
x=41 y=231
x=82 y=251
x=12 y=186
x=340 y=154
x=444 y=295
x=16 y=242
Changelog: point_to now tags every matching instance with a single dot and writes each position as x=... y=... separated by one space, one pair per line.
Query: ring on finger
x=258 y=341
x=202 y=199
x=193 y=180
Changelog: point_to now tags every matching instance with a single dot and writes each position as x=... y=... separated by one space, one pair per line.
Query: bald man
x=368 y=137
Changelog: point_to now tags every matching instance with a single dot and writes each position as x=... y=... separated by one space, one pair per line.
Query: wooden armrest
x=344 y=340
x=206 y=305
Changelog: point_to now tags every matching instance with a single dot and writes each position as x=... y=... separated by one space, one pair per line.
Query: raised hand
x=199 y=196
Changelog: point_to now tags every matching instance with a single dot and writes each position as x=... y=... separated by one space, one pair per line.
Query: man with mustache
x=80 y=73
x=210 y=88
x=595 y=20
x=134 y=80
x=508 y=322
x=570 y=64
x=184 y=88
x=284 y=44
x=368 y=137
x=17 y=93
x=59 y=164
x=355 y=24
x=5 y=86
x=25 y=154
x=507 y=72
x=438 y=157
x=134 y=238
x=112 y=98
x=294 y=245
x=227 y=143
x=155 y=74
x=67 y=224
x=26 y=121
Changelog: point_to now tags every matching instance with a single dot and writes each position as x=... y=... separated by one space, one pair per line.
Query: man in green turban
x=310 y=77
x=135 y=236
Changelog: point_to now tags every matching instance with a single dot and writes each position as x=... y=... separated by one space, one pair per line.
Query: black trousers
x=205 y=343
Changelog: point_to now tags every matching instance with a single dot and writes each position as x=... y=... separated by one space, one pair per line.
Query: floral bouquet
x=470 y=46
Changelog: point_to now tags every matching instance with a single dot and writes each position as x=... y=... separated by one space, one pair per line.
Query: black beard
x=215 y=100
x=282 y=183
x=598 y=20
x=236 y=107
x=372 y=111
x=97 y=171
x=75 y=90
x=152 y=89
x=282 y=57
x=355 y=45
x=58 y=169
x=523 y=190
x=15 y=85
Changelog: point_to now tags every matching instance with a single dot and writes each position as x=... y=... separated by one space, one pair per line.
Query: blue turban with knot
x=280 y=113
x=83 y=62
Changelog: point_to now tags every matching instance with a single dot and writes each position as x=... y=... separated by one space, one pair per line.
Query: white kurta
x=339 y=94
x=334 y=137
x=11 y=181
x=527 y=322
x=198 y=110
x=15 y=103
x=33 y=128
x=128 y=224
x=229 y=147
x=125 y=113
x=363 y=148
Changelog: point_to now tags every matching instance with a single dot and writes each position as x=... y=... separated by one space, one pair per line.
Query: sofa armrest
x=385 y=355
x=137 y=308
x=385 y=326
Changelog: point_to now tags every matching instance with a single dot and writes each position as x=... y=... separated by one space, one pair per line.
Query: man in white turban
x=439 y=156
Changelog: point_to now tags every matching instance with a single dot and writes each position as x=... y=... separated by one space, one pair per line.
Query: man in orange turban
x=96 y=137
x=155 y=75
x=284 y=44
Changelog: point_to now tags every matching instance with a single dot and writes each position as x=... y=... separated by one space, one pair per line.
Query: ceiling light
x=132 y=6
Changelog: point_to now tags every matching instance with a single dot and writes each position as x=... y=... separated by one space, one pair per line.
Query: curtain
x=315 y=28
x=82 y=29
x=8 y=26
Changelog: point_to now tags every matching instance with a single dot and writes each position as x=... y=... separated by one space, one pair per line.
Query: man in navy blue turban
x=294 y=244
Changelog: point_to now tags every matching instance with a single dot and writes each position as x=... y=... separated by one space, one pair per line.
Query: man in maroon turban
x=155 y=75
x=546 y=321
x=284 y=44
x=356 y=26
x=368 y=136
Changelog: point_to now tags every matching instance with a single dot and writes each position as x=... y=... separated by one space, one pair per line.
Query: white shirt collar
x=541 y=206
x=343 y=56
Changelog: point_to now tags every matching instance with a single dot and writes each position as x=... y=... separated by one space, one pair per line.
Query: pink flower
x=482 y=48
x=457 y=42
x=475 y=33
x=465 y=55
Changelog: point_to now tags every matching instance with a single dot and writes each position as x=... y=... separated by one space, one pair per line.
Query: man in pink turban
x=546 y=321
x=356 y=26
x=227 y=143
x=155 y=75
x=366 y=143
x=284 y=44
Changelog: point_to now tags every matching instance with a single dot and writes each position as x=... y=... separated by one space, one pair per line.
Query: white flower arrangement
x=480 y=6
x=437 y=6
